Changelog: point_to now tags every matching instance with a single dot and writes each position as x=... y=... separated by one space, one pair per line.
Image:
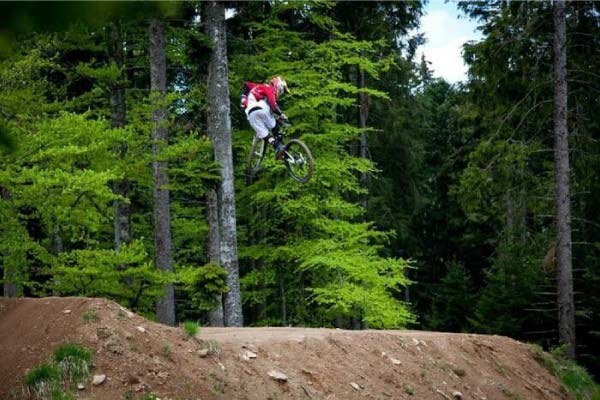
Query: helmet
x=279 y=85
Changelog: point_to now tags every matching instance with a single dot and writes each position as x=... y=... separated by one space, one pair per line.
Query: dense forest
x=434 y=206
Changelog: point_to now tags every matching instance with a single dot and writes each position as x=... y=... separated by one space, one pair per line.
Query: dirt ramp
x=140 y=357
x=339 y=364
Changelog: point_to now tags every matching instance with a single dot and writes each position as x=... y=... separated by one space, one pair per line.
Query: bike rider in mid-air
x=260 y=104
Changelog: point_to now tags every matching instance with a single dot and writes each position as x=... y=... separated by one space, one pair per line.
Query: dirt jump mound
x=133 y=358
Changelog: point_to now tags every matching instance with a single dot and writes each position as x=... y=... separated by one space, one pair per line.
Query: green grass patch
x=190 y=328
x=73 y=361
x=575 y=379
x=43 y=373
x=149 y=396
x=166 y=351
x=89 y=316
x=212 y=346
x=51 y=381
x=58 y=393
x=42 y=380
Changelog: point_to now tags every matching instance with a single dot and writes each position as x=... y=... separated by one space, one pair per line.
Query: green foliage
x=166 y=351
x=70 y=364
x=89 y=316
x=212 y=346
x=453 y=301
x=512 y=286
x=127 y=276
x=203 y=284
x=148 y=396
x=59 y=393
x=6 y=140
x=72 y=351
x=190 y=328
x=73 y=361
x=307 y=245
x=43 y=373
x=43 y=381
x=508 y=184
x=577 y=381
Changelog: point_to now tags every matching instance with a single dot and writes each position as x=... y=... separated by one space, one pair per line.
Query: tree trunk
x=219 y=130
x=364 y=153
x=282 y=297
x=56 y=242
x=566 y=304
x=10 y=288
x=165 y=307
x=363 y=115
x=215 y=316
x=122 y=224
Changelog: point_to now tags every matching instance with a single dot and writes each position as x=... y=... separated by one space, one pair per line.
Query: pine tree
x=311 y=236
x=219 y=130
x=566 y=302
x=165 y=308
x=118 y=113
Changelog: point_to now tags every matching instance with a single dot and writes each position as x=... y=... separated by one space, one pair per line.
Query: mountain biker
x=260 y=104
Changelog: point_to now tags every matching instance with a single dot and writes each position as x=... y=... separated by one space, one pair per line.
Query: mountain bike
x=297 y=157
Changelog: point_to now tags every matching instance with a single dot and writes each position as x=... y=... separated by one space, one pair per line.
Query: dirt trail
x=318 y=363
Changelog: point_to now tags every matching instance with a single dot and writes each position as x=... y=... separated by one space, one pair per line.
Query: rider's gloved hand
x=283 y=117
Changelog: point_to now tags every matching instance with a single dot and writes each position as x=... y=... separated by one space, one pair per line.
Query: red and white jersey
x=261 y=94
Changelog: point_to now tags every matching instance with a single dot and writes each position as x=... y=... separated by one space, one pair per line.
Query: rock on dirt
x=247 y=355
x=202 y=352
x=395 y=362
x=278 y=376
x=98 y=379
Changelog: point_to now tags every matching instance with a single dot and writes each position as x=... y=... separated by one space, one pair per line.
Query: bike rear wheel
x=298 y=161
x=256 y=157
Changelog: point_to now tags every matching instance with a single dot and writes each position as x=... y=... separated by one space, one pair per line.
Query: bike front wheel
x=298 y=161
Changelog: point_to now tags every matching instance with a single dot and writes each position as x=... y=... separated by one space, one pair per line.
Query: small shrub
x=576 y=380
x=58 y=393
x=212 y=345
x=89 y=316
x=149 y=396
x=42 y=380
x=166 y=351
x=218 y=388
x=73 y=361
x=408 y=389
x=501 y=369
x=190 y=328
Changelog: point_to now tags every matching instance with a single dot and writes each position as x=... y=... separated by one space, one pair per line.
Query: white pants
x=262 y=121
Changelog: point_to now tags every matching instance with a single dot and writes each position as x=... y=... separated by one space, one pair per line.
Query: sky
x=445 y=34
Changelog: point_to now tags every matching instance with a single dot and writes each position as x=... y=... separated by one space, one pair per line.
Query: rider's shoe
x=279 y=150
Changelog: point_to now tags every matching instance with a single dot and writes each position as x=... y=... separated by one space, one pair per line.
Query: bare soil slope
x=140 y=357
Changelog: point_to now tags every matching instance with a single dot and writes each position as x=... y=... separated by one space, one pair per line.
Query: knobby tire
x=308 y=159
